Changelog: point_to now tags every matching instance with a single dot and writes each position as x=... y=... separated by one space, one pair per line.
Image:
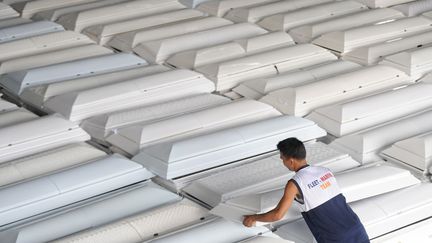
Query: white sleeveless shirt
x=317 y=185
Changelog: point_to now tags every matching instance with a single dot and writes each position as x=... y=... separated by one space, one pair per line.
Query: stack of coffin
x=25 y=30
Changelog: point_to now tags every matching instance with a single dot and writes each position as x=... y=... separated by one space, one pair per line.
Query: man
x=323 y=206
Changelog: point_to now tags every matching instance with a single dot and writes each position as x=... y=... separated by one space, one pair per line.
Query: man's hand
x=249 y=220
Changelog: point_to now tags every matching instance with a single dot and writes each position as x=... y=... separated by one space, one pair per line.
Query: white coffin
x=309 y=32
x=54 y=14
x=100 y=127
x=255 y=13
x=42 y=43
x=4 y=23
x=382 y=3
x=414 y=8
x=348 y=40
x=229 y=74
x=102 y=33
x=144 y=226
x=7 y=12
x=17 y=81
x=37 y=95
x=78 y=21
x=28 y=30
x=53 y=191
x=182 y=157
x=372 y=54
x=53 y=57
x=146 y=90
x=47 y=162
x=418 y=232
x=223 y=52
x=140 y=199
x=257 y=88
x=380 y=215
x=415 y=63
x=6 y=106
x=302 y=99
x=263 y=175
x=14 y=116
x=128 y=40
x=38 y=135
x=214 y=231
x=159 y=50
x=286 y=21
x=365 y=145
x=355 y=185
x=351 y=116
x=415 y=151
x=28 y=9
x=221 y=7
x=135 y=137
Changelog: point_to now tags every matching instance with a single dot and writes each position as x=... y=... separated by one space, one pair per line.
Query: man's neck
x=301 y=166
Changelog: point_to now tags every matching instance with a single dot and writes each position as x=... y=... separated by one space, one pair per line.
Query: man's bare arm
x=279 y=211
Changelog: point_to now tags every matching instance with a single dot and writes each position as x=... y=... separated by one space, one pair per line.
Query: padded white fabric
x=144 y=226
x=263 y=175
x=355 y=185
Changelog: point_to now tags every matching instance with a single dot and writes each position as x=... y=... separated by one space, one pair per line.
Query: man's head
x=292 y=153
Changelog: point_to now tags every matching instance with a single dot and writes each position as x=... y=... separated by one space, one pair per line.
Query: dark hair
x=292 y=148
